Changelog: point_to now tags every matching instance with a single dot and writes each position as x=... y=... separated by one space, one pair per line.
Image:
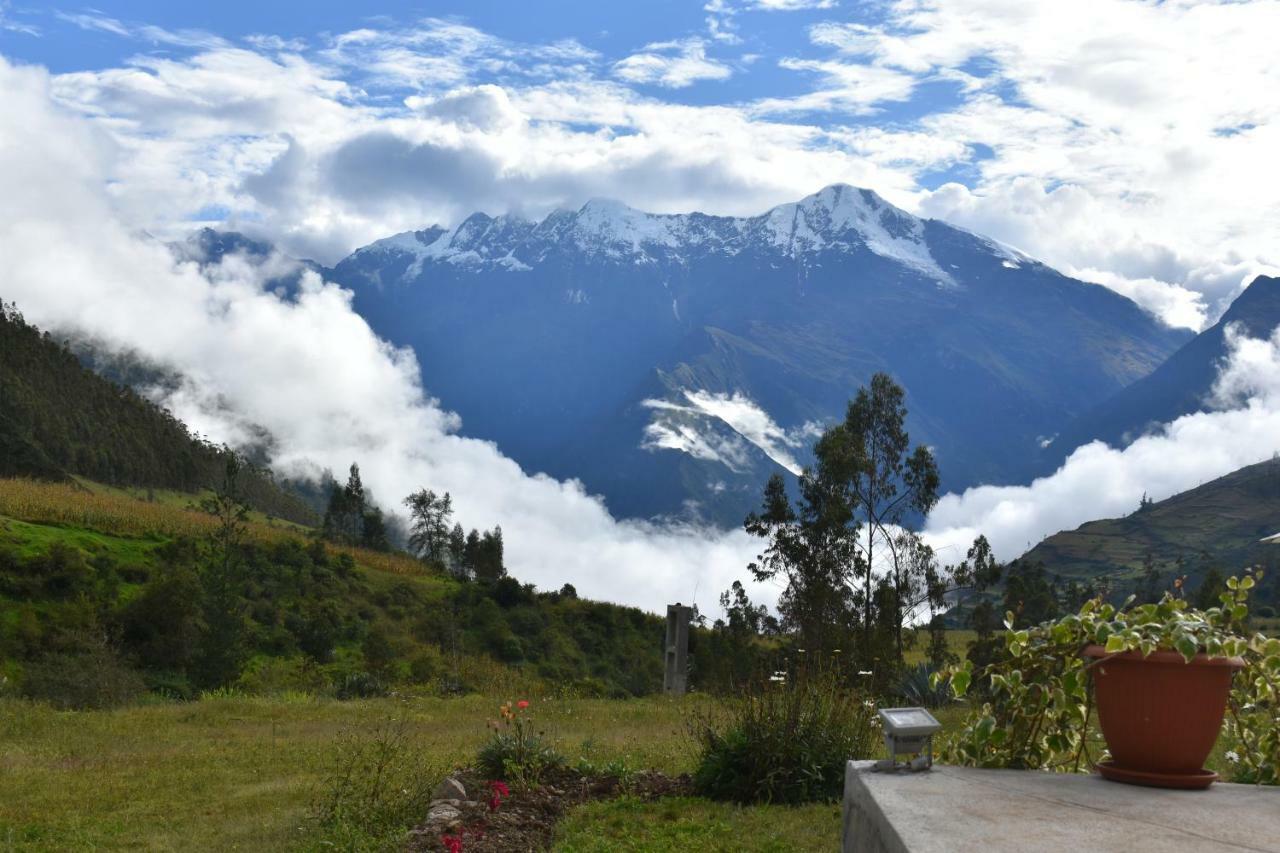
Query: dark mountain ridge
x=1180 y=386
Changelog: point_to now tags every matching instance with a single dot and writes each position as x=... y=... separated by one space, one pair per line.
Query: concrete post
x=676 y=680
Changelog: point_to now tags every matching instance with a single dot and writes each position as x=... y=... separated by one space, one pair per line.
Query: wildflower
x=522 y=704
x=1232 y=756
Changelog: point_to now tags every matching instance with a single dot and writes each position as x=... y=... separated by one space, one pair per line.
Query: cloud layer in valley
x=1097 y=481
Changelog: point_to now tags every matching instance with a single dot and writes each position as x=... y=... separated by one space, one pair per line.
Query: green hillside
x=1217 y=525
x=137 y=594
x=59 y=419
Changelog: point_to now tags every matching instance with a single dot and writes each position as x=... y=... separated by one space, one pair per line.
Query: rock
x=443 y=813
x=449 y=789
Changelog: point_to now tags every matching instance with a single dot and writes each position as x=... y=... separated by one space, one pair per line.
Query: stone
x=676 y=678
x=968 y=810
x=443 y=813
x=450 y=788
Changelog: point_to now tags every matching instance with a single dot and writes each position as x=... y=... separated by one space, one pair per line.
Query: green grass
x=239 y=773
x=678 y=823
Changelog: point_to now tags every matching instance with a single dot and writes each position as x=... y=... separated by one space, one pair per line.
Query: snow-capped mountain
x=671 y=362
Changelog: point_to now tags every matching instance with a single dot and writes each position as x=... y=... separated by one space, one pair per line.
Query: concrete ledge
x=963 y=810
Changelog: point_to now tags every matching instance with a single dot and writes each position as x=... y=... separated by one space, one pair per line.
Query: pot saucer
x=1195 y=780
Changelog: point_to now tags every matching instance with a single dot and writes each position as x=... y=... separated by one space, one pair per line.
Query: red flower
x=452 y=843
x=497 y=790
x=522 y=704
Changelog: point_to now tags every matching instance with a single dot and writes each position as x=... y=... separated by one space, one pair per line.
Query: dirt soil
x=526 y=819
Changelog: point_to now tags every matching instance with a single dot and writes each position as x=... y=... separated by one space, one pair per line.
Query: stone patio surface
x=963 y=810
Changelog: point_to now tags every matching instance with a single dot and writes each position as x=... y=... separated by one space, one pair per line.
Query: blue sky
x=1127 y=142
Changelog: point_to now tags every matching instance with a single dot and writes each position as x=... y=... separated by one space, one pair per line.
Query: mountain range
x=673 y=362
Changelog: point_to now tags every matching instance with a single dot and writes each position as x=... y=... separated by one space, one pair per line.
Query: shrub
x=360 y=685
x=92 y=679
x=377 y=787
x=266 y=676
x=917 y=686
x=785 y=743
x=516 y=751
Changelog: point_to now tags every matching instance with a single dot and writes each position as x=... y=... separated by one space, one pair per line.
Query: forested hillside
x=104 y=596
x=58 y=418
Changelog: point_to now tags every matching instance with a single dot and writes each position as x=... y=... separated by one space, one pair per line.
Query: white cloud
x=673 y=64
x=8 y=24
x=692 y=429
x=309 y=370
x=1098 y=481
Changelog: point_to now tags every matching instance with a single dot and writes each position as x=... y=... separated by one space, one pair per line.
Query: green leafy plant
x=1038 y=706
x=785 y=741
x=516 y=751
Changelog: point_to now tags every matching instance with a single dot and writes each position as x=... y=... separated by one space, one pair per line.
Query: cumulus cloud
x=307 y=369
x=673 y=64
x=1098 y=481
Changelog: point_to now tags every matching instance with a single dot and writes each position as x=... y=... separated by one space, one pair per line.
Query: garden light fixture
x=907 y=730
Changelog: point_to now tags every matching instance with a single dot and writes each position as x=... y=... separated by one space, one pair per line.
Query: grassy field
x=239 y=773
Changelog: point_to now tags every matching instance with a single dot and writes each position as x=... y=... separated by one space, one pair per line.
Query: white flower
x=1232 y=756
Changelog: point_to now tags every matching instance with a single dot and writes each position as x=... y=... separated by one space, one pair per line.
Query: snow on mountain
x=839 y=217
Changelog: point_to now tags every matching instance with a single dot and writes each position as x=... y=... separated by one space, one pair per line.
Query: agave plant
x=915 y=687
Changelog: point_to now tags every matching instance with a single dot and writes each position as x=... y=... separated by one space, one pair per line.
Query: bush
x=378 y=786
x=785 y=743
x=92 y=679
x=275 y=676
x=360 y=685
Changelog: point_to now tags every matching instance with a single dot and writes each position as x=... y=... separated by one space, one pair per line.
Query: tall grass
x=104 y=510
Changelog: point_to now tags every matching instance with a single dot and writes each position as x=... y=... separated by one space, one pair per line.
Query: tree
x=846 y=548
x=885 y=483
x=489 y=564
x=458 y=550
x=344 y=519
x=222 y=581
x=811 y=546
x=429 y=516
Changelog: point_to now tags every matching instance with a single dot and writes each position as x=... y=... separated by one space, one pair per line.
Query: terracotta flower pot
x=1160 y=715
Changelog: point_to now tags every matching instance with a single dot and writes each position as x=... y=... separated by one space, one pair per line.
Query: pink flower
x=522 y=704
x=452 y=843
x=497 y=790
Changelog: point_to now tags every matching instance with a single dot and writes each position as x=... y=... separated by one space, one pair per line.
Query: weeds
x=378 y=786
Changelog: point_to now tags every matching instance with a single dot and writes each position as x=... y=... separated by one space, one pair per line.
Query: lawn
x=239 y=773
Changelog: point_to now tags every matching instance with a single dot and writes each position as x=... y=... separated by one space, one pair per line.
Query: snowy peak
x=837 y=218
x=843 y=217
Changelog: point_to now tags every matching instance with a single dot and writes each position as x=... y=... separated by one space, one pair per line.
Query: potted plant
x=1160 y=676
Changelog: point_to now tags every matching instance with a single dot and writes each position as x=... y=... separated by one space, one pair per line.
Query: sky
x=1128 y=143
